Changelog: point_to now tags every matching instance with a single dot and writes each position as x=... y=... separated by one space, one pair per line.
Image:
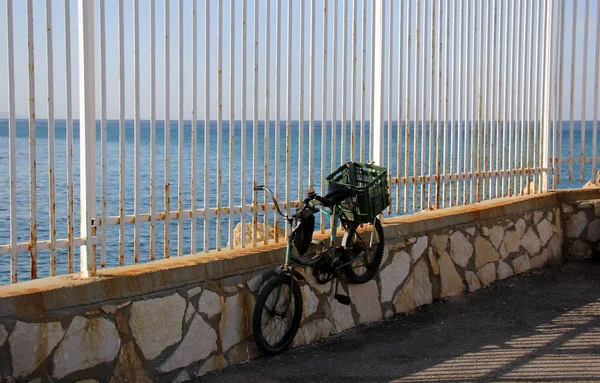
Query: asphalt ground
x=540 y=326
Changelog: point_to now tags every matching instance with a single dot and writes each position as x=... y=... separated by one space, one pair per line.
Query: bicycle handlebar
x=263 y=187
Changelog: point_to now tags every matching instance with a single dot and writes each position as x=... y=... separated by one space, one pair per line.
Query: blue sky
x=20 y=35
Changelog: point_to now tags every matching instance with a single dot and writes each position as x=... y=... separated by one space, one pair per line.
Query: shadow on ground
x=540 y=326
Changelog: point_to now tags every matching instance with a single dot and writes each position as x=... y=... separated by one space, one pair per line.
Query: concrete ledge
x=48 y=294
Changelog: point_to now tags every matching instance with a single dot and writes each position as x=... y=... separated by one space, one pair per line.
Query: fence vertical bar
x=423 y=109
x=152 y=132
x=231 y=127
x=407 y=109
x=584 y=93
x=32 y=146
x=452 y=85
x=324 y=103
x=194 y=132
x=545 y=163
x=288 y=112
x=51 y=128
x=243 y=125
x=344 y=81
x=136 y=129
x=560 y=90
x=353 y=86
x=377 y=128
x=334 y=64
x=87 y=135
x=433 y=82
x=180 y=101
x=596 y=94
x=301 y=104
x=389 y=80
x=220 y=118
x=122 y=135
x=69 y=135
x=277 y=107
x=267 y=117
x=459 y=127
x=167 y=134
x=103 y=133
x=399 y=107
x=417 y=102
x=12 y=133
x=311 y=102
x=572 y=92
x=254 y=124
x=206 y=147
x=363 y=85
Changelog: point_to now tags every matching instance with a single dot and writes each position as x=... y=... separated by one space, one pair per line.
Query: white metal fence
x=466 y=98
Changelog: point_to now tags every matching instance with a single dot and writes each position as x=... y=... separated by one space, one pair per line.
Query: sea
x=296 y=137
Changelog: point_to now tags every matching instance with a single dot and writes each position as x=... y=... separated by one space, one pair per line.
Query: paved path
x=540 y=326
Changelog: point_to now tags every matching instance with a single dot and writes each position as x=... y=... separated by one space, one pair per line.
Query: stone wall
x=176 y=319
x=582 y=228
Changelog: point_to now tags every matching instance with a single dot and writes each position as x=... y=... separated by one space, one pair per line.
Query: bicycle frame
x=336 y=212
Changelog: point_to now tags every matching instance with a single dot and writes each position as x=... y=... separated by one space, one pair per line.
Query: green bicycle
x=357 y=194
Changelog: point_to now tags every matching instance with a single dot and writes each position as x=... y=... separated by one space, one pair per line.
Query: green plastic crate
x=370 y=191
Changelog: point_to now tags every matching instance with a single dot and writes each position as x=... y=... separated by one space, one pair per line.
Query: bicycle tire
x=372 y=261
x=290 y=319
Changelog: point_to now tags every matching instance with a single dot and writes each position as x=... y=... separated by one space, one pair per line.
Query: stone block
x=545 y=230
x=365 y=298
x=157 y=323
x=567 y=208
x=255 y=282
x=236 y=320
x=540 y=260
x=213 y=363
x=312 y=331
x=87 y=343
x=451 y=282
x=580 y=249
x=537 y=216
x=485 y=231
x=496 y=236
x=194 y=291
x=461 y=249
x=129 y=368
x=189 y=311
x=3 y=335
x=31 y=343
x=439 y=242
x=472 y=281
x=520 y=227
x=484 y=252
x=210 y=303
x=435 y=268
x=418 y=248
x=340 y=316
x=182 y=377
x=471 y=231
x=487 y=274
x=111 y=309
x=394 y=275
x=531 y=243
x=512 y=242
x=198 y=343
x=593 y=231
x=417 y=290
x=309 y=300
x=504 y=270
x=555 y=247
x=521 y=264
x=576 y=224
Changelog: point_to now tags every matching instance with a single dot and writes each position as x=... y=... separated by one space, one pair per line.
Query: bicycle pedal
x=317 y=242
x=343 y=299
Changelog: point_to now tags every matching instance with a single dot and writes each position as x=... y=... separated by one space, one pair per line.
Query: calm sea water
x=112 y=180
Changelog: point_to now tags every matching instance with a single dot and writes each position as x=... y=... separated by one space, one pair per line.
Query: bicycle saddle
x=336 y=193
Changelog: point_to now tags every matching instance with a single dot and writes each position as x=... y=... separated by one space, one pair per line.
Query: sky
x=276 y=31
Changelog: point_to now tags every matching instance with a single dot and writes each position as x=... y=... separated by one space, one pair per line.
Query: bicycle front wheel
x=277 y=314
x=364 y=244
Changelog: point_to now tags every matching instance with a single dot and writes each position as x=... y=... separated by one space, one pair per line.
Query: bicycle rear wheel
x=277 y=314
x=365 y=244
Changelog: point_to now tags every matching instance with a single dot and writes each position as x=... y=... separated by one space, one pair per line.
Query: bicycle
x=357 y=194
